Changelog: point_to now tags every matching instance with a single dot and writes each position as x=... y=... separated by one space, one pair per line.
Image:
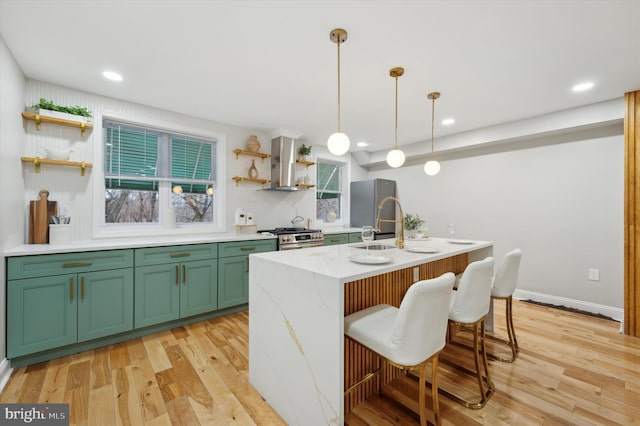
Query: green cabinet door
x=41 y=314
x=105 y=303
x=333 y=239
x=233 y=281
x=198 y=287
x=157 y=294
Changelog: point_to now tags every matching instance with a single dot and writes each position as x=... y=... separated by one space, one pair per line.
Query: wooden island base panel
x=299 y=360
x=388 y=288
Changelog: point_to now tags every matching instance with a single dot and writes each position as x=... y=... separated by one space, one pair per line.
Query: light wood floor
x=572 y=370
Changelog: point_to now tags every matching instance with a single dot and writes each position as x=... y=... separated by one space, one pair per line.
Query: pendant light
x=432 y=167
x=338 y=142
x=395 y=157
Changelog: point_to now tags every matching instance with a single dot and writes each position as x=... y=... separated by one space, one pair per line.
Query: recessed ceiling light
x=114 y=76
x=362 y=143
x=448 y=121
x=583 y=86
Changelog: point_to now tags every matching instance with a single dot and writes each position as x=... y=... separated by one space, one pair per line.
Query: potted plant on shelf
x=51 y=109
x=412 y=224
x=304 y=152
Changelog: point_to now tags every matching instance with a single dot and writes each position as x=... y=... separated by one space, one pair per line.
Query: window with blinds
x=328 y=189
x=142 y=166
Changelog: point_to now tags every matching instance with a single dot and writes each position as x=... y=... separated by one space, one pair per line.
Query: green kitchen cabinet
x=233 y=270
x=333 y=239
x=175 y=282
x=49 y=311
x=355 y=237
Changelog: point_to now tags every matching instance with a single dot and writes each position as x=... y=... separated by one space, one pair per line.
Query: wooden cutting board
x=40 y=212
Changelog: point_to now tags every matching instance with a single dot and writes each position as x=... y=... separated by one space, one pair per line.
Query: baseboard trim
x=5 y=373
x=609 y=311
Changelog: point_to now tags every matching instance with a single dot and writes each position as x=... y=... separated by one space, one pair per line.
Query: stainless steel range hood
x=283 y=164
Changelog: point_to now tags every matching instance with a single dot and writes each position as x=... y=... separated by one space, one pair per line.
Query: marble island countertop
x=297 y=303
x=334 y=261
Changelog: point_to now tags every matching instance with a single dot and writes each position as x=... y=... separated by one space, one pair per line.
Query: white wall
x=75 y=194
x=12 y=87
x=559 y=199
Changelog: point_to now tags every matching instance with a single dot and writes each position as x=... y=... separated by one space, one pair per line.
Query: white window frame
x=344 y=192
x=121 y=230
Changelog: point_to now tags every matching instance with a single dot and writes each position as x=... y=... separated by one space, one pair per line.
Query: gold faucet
x=400 y=238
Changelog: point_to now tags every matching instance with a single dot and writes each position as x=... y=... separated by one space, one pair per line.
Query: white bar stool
x=409 y=336
x=504 y=284
x=469 y=309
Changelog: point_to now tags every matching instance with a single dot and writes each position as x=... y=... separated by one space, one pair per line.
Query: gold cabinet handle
x=82 y=288
x=71 y=289
x=177 y=282
x=184 y=274
x=185 y=254
x=72 y=264
x=248 y=248
x=335 y=240
x=247 y=264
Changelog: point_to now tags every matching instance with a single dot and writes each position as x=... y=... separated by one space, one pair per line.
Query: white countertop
x=333 y=261
x=339 y=230
x=124 y=243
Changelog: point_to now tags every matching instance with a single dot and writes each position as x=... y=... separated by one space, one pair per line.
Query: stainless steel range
x=297 y=238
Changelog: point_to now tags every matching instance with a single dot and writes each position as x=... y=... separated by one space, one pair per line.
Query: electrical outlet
x=594 y=274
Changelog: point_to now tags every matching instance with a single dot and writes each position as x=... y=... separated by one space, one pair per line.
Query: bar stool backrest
x=473 y=298
x=421 y=324
x=506 y=277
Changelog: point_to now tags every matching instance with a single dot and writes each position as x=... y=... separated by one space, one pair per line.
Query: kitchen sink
x=376 y=247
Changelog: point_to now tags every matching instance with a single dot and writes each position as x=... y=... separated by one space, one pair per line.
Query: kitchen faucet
x=399 y=239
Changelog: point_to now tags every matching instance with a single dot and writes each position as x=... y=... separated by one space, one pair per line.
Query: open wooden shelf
x=305 y=162
x=239 y=179
x=305 y=185
x=82 y=125
x=261 y=155
x=37 y=161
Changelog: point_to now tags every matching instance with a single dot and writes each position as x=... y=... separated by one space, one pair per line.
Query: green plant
x=50 y=105
x=412 y=222
x=304 y=150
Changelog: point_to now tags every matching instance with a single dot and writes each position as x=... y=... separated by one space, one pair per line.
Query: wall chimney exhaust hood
x=283 y=165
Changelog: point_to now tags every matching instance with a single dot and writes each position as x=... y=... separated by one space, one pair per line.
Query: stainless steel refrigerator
x=366 y=195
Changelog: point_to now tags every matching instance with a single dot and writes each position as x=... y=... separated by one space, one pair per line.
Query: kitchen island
x=299 y=360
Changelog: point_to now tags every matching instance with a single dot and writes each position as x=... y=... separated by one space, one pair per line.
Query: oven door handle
x=296 y=246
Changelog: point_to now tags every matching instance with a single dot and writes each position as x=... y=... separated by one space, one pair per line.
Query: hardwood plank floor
x=572 y=370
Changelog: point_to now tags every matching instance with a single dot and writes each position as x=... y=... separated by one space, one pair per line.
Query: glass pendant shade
x=338 y=143
x=432 y=167
x=395 y=158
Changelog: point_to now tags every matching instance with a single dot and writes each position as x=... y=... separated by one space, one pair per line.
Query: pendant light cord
x=396 y=144
x=433 y=114
x=338 y=84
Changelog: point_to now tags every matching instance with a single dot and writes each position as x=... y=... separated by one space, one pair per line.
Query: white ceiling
x=266 y=65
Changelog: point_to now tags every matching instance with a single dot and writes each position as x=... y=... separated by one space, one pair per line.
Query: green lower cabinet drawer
x=41 y=314
x=67 y=263
x=245 y=248
x=173 y=254
x=333 y=239
x=355 y=237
